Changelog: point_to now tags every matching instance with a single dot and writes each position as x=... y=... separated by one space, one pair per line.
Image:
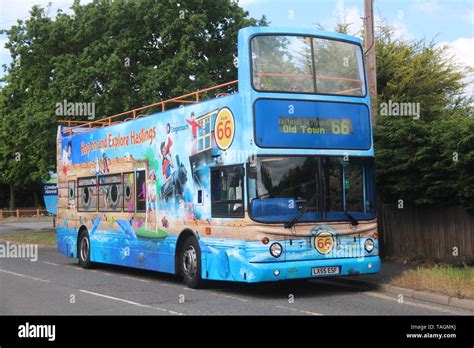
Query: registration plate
x=319 y=271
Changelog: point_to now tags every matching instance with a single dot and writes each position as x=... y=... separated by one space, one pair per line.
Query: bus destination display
x=315 y=125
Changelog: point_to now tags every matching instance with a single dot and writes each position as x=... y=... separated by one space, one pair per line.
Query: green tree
x=426 y=158
x=117 y=55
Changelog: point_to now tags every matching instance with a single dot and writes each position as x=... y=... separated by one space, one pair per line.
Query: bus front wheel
x=191 y=263
x=84 y=250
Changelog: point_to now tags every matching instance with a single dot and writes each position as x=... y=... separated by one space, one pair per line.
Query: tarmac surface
x=56 y=285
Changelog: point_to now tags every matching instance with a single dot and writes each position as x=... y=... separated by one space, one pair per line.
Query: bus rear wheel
x=84 y=250
x=191 y=263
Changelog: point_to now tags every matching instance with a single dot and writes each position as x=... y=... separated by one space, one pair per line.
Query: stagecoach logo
x=323 y=239
x=172 y=129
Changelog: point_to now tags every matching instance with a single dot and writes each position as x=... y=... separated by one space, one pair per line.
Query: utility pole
x=369 y=46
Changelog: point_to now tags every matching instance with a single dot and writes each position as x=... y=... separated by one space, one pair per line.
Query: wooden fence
x=440 y=234
x=22 y=212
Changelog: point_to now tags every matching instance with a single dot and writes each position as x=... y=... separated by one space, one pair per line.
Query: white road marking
x=299 y=310
x=130 y=302
x=368 y=293
x=76 y=268
x=24 y=276
x=421 y=305
x=101 y=272
x=140 y=280
x=51 y=263
x=110 y=274
x=231 y=297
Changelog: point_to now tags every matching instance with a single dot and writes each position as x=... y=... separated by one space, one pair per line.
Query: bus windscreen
x=299 y=64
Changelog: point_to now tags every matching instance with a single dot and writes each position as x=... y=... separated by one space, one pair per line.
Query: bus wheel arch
x=83 y=248
x=188 y=252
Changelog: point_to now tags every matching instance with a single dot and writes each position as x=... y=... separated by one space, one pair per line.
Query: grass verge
x=41 y=237
x=448 y=280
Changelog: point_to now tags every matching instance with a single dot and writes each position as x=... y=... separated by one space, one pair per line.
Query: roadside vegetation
x=46 y=237
x=26 y=218
x=445 y=279
x=114 y=55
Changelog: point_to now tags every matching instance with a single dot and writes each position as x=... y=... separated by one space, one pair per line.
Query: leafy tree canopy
x=425 y=158
x=118 y=55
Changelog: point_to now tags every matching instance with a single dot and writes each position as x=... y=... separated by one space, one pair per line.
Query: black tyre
x=84 y=250
x=190 y=263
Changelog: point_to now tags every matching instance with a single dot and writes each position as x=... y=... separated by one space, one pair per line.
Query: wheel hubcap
x=84 y=249
x=190 y=262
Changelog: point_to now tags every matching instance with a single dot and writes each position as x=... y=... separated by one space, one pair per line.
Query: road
x=22 y=225
x=56 y=285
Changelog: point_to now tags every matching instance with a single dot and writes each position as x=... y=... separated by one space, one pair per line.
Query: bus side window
x=110 y=193
x=71 y=193
x=87 y=194
x=140 y=190
x=128 y=192
x=227 y=191
x=199 y=197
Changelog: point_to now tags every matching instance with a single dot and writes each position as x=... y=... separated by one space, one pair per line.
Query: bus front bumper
x=274 y=271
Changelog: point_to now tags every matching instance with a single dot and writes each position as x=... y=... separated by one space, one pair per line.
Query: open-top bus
x=270 y=179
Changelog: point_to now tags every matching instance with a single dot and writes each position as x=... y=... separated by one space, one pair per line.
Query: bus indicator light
x=265 y=240
x=208 y=231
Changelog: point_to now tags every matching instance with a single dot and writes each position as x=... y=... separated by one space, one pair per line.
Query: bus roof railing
x=76 y=126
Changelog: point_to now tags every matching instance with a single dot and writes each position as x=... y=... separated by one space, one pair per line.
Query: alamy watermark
x=20 y=251
x=66 y=108
x=28 y=330
x=400 y=109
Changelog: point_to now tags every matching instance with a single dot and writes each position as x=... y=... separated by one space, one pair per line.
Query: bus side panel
x=134 y=185
x=66 y=241
x=113 y=248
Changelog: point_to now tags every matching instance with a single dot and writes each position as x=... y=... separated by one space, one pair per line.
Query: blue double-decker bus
x=267 y=178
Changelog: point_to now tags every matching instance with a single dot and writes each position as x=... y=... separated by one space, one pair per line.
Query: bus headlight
x=369 y=245
x=276 y=249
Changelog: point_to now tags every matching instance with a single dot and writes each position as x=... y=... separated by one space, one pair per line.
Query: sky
x=444 y=21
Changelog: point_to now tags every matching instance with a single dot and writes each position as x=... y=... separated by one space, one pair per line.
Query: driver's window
x=227 y=191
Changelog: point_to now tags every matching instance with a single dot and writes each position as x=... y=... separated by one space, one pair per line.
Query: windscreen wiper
x=303 y=210
x=354 y=221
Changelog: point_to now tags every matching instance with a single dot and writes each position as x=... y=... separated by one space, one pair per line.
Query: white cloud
x=425 y=6
x=354 y=16
x=3 y=51
x=470 y=16
x=349 y=15
x=462 y=51
x=341 y=13
x=401 y=31
x=10 y=13
x=245 y=3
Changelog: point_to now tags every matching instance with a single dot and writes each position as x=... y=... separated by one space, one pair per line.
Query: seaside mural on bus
x=136 y=185
x=138 y=178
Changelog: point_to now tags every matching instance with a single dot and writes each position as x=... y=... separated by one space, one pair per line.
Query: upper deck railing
x=76 y=127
